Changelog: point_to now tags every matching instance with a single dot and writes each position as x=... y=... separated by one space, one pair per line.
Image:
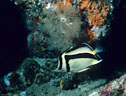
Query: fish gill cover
x=54 y=26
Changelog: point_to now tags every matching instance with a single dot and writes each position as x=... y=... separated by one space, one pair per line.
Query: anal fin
x=83 y=70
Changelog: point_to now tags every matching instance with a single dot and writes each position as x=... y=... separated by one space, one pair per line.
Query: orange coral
x=96 y=11
x=91 y=34
x=83 y=5
x=65 y=3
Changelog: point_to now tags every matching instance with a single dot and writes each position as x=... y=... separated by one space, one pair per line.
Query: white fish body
x=81 y=64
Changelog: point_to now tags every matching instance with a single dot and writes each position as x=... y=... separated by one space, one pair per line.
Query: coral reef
x=97 y=13
x=62 y=27
x=31 y=68
x=32 y=71
x=113 y=88
x=54 y=26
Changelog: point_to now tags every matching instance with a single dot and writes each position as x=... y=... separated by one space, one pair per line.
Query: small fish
x=7 y=79
x=78 y=59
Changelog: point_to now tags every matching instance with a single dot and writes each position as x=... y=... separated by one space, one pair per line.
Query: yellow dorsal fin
x=95 y=51
x=68 y=49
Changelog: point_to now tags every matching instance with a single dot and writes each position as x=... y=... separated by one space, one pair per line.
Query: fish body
x=78 y=59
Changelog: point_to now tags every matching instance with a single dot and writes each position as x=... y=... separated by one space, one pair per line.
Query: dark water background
x=13 y=44
x=115 y=43
x=12 y=37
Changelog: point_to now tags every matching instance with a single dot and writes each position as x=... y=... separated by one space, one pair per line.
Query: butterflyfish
x=78 y=59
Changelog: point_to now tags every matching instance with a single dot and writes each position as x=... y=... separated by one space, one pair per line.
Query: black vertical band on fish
x=60 y=66
x=67 y=64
